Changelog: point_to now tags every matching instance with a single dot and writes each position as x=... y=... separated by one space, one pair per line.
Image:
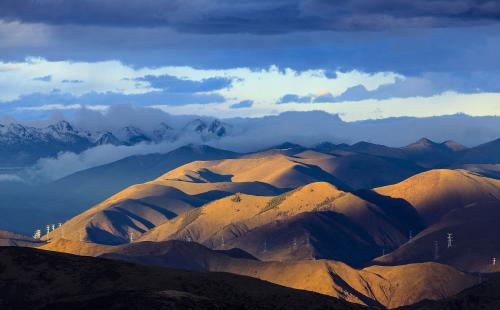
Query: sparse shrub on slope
x=236 y=198
x=276 y=201
x=190 y=217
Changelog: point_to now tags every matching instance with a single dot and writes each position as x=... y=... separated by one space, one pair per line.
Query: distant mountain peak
x=163 y=132
x=63 y=126
x=133 y=135
x=196 y=125
x=107 y=138
x=217 y=128
x=288 y=145
x=455 y=146
x=425 y=141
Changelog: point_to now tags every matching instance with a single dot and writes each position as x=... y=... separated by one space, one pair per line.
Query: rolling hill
x=485 y=295
x=430 y=154
x=435 y=193
x=144 y=206
x=451 y=201
x=103 y=181
x=141 y=207
x=12 y=239
x=295 y=166
x=35 y=279
x=314 y=221
x=375 y=286
x=474 y=243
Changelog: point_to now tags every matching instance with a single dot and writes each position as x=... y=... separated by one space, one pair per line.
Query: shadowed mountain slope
x=475 y=242
x=133 y=211
x=487 y=153
x=376 y=285
x=485 y=295
x=12 y=239
x=293 y=167
x=34 y=279
x=144 y=206
x=103 y=181
x=430 y=154
x=435 y=193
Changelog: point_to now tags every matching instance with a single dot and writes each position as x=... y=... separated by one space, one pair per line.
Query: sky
x=360 y=59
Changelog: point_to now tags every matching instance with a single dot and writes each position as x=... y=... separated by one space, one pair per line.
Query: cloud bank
x=246 y=16
x=252 y=134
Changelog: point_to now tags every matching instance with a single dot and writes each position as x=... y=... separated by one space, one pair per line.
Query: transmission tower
x=131 y=237
x=223 y=243
x=436 y=250
x=410 y=234
x=38 y=234
x=450 y=240
x=494 y=261
x=265 y=246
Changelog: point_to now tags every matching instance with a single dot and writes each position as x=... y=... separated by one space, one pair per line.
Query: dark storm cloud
x=272 y=16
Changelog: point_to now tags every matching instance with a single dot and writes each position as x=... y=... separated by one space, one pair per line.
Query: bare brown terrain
x=435 y=193
x=12 y=239
x=34 y=279
x=141 y=207
x=485 y=295
x=290 y=216
x=374 y=286
x=314 y=221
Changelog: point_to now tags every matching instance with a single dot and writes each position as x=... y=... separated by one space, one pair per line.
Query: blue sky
x=361 y=59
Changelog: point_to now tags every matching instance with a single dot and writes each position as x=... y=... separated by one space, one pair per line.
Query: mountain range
x=359 y=166
x=23 y=145
x=368 y=224
x=286 y=216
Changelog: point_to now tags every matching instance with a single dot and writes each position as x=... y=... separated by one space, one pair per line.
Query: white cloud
x=478 y=104
x=10 y=178
x=23 y=78
x=264 y=87
x=67 y=163
x=251 y=134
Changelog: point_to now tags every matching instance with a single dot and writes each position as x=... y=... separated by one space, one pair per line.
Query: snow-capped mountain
x=207 y=130
x=22 y=145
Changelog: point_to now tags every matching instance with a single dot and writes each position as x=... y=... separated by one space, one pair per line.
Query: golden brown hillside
x=133 y=211
x=377 y=285
x=437 y=192
x=315 y=221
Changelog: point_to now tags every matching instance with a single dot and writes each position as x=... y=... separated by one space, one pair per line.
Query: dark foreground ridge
x=35 y=279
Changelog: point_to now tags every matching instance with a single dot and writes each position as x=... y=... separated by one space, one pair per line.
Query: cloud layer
x=263 y=17
x=252 y=134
